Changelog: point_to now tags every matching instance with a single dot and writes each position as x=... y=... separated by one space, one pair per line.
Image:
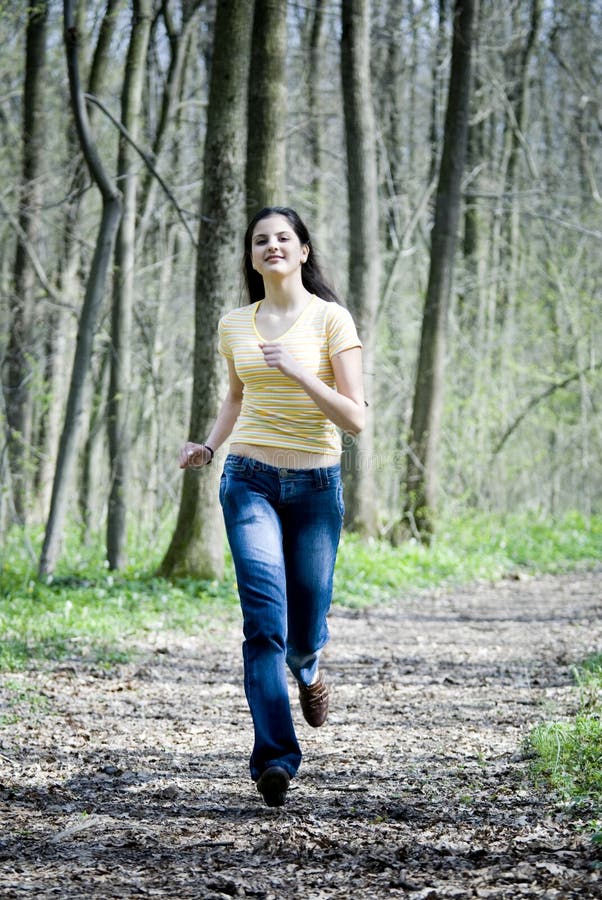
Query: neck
x=286 y=293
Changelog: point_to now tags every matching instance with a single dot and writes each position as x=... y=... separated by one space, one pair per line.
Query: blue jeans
x=283 y=527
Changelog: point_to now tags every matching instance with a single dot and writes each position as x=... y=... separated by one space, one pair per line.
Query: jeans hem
x=281 y=765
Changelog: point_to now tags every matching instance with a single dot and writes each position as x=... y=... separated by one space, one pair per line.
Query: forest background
x=116 y=264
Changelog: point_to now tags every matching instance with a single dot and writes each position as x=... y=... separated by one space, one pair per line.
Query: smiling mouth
x=271 y=258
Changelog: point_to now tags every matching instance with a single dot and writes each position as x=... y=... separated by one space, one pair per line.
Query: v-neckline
x=287 y=330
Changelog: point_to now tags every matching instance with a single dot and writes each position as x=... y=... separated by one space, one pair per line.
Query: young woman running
x=295 y=382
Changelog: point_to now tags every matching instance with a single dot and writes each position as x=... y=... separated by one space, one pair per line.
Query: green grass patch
x=475 y=548
x=87 y=612
x=568 y=754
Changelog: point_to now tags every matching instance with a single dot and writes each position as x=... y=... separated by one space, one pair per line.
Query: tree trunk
x=111 y=214
x=19 y=350
x=395 y=121
x=436 y=90
x=179 y=44
x=364 y=260
x=89 y=499
x=421 y=475
x=123 y=289
x=267 y=107
x=472 y=303
x=315 y=124
x=156 y=400
x=60 y=326
x=517 y=120
x=197 y=545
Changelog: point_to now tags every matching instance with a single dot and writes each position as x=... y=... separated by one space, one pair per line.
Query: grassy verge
x=87 y=612
x=475 y=548
x=568 y=754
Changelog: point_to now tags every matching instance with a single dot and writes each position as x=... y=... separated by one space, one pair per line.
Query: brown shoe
x=314 y=702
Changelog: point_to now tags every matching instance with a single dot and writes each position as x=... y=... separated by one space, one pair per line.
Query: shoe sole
x=273 y=785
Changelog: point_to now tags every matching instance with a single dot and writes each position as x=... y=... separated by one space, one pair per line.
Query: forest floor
x=133 y=782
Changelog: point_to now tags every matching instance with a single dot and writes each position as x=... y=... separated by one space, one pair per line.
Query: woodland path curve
x=134 y=783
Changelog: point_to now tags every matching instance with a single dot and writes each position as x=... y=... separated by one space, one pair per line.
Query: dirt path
x=134 y=783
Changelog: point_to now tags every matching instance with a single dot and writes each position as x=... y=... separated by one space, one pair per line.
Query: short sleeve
x=223 y=339
x=340 y=330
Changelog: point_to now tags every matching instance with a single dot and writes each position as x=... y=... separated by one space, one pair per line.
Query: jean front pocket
x=235 y=463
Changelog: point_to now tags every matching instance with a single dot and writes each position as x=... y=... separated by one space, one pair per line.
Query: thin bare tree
x=364 y=245
x=266 y=147
x=124 y=284
x=315 y=126
x=425 y=428
x=19 y=351
x=95 y=291
x=198 y=543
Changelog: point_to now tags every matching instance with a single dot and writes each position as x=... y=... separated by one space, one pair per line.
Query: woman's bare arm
x=193 y=454
x=345 y=406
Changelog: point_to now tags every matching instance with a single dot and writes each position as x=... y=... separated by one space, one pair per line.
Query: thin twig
x=572 y=226
x=145 y=158
x=35 y=260
x=534 y=401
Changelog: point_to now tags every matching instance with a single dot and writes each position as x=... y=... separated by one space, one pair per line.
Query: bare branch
x=572 y=226
x=91 y=155
x=145 y=158
x=535 y=401
x=404 y=242
x=35 y=260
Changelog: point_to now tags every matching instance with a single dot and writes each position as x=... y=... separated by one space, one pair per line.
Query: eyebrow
x=262 y=234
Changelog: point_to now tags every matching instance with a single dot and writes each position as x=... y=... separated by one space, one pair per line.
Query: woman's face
x=276 y=250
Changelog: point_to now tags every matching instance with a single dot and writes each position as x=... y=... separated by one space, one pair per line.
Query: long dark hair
x=311 y=273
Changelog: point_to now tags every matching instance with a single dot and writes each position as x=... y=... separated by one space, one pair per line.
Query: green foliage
x=87 y=612
x=569 y=753
x=96 y=614
x=468 y=549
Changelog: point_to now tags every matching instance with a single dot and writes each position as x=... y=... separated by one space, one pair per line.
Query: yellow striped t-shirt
x=276 y=411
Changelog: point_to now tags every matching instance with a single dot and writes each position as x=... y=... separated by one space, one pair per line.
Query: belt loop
x=321 y=477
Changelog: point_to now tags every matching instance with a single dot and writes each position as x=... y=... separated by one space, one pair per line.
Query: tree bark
x=436 y=90
x=421 y=474
x=97 y=389
x=364 y=257
x=111 y=214
x=266 y=146
x=179 y=44
x=197 y=545
x=124 y=289
x=396 y=72
x=60 y=326
x=517 y=120
x=19 y=351
x=315 y=126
